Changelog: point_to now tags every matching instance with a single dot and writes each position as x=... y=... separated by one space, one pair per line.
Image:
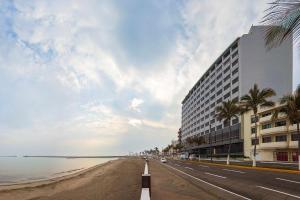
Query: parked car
x=163 y=160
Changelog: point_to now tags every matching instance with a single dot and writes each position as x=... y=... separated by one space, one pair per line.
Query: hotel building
x=246 y=61
x=277 y=140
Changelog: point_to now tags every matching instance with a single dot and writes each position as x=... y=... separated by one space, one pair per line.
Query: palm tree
x=283 y=17
x=252 y=101
x=226 y=111
x=291 y=108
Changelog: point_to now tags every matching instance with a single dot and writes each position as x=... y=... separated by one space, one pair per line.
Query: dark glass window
x=235 y=121
x=280 y=123
x=266 y=114
x=266 y=139
x=253 y=130
x=235 y=90
x=226 y=86
x=227 y=77
x=266 y=126
x=235 y=80
x=227 y=95
x=294 y=136
x=235 y=62
x=235 y=71
x=281 y=138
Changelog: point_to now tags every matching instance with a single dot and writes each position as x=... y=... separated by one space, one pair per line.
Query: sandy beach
x=118 y=179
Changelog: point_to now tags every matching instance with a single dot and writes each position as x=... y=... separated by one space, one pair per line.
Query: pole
x=210 y=141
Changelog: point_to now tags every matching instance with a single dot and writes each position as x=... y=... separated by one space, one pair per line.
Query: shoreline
x=43 y=182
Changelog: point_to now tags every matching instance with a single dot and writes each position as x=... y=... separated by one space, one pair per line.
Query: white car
x=163 y=160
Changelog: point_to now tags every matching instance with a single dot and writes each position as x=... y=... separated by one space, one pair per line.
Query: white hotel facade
x=246 y=61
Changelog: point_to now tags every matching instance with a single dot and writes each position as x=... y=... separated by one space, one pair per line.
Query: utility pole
x=210 y=141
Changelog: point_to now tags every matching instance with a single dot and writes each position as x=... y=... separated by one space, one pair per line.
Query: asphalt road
x=233 y=183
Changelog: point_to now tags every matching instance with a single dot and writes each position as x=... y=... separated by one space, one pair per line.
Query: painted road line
x=203 y=166
x=177 y=165
x=230 y=170
x=200 y=180
x=215 y=175
x=282 y=179
x=291 y=195
x=189 y=168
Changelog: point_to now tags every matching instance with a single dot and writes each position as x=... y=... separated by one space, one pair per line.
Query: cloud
x=74 y=71
x=135 y=104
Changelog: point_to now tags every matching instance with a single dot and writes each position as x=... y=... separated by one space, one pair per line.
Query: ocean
x=25 y=169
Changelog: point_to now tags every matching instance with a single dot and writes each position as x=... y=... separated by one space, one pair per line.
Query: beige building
x=277 y=140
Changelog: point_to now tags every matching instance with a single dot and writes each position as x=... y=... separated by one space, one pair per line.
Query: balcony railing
x=273 y=145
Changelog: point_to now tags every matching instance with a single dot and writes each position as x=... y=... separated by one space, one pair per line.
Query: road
x=235 y=183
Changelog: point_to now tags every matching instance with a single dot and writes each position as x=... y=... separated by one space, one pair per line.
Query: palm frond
x=283 y=19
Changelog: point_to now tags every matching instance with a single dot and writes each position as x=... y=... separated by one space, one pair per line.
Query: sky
x=106 y=77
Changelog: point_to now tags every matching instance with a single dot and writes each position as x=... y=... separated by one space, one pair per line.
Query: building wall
x=268 y=68
x=267 y=151
x=245 y=62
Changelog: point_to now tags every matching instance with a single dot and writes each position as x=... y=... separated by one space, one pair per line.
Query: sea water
x=27 y=169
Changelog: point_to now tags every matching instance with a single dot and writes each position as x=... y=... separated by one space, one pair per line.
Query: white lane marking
x=177 y=165
x=230 y=170
x=291 y=195
x=189 y=168
x=198 y=179
x=215 y=175
x=203 y=166
x=288 y=180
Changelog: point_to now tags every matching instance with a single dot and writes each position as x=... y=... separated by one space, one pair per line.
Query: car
x=163 y=160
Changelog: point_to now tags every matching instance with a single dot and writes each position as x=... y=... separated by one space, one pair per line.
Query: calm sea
x=20 y=169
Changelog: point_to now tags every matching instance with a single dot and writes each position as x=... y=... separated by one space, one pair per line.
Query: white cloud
x=74 y=47
x=135 y=104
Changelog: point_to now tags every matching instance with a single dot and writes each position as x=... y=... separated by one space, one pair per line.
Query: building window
x=219 y=100
x=266 y=139
x=235 y=80
x=266 y=126
x=220 y=83
x=281 y=138
x=227 y=69
x=253 y=119
x=227 y=95
x=280 y=123
x=294 y=136
x=235 y=121
x=233 y=55
x=235 y=90
x=253 y=141
x=212 y=121
x=227 y=77
x=219 y=127
x=253 y=130
x=226 y=86
x=235 y=71
x=266 y=114
x=235 y=62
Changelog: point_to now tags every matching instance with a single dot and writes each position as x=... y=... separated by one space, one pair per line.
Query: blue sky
x=106 y=77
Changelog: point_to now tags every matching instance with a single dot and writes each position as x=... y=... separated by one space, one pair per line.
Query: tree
x=198 y=140
x=190 y=140
x=291 y=108
x=252 y=101
x=156 y=150
x=283 y=17
x=227 y=111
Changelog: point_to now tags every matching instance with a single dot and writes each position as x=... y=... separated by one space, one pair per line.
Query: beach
x=118 y=179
